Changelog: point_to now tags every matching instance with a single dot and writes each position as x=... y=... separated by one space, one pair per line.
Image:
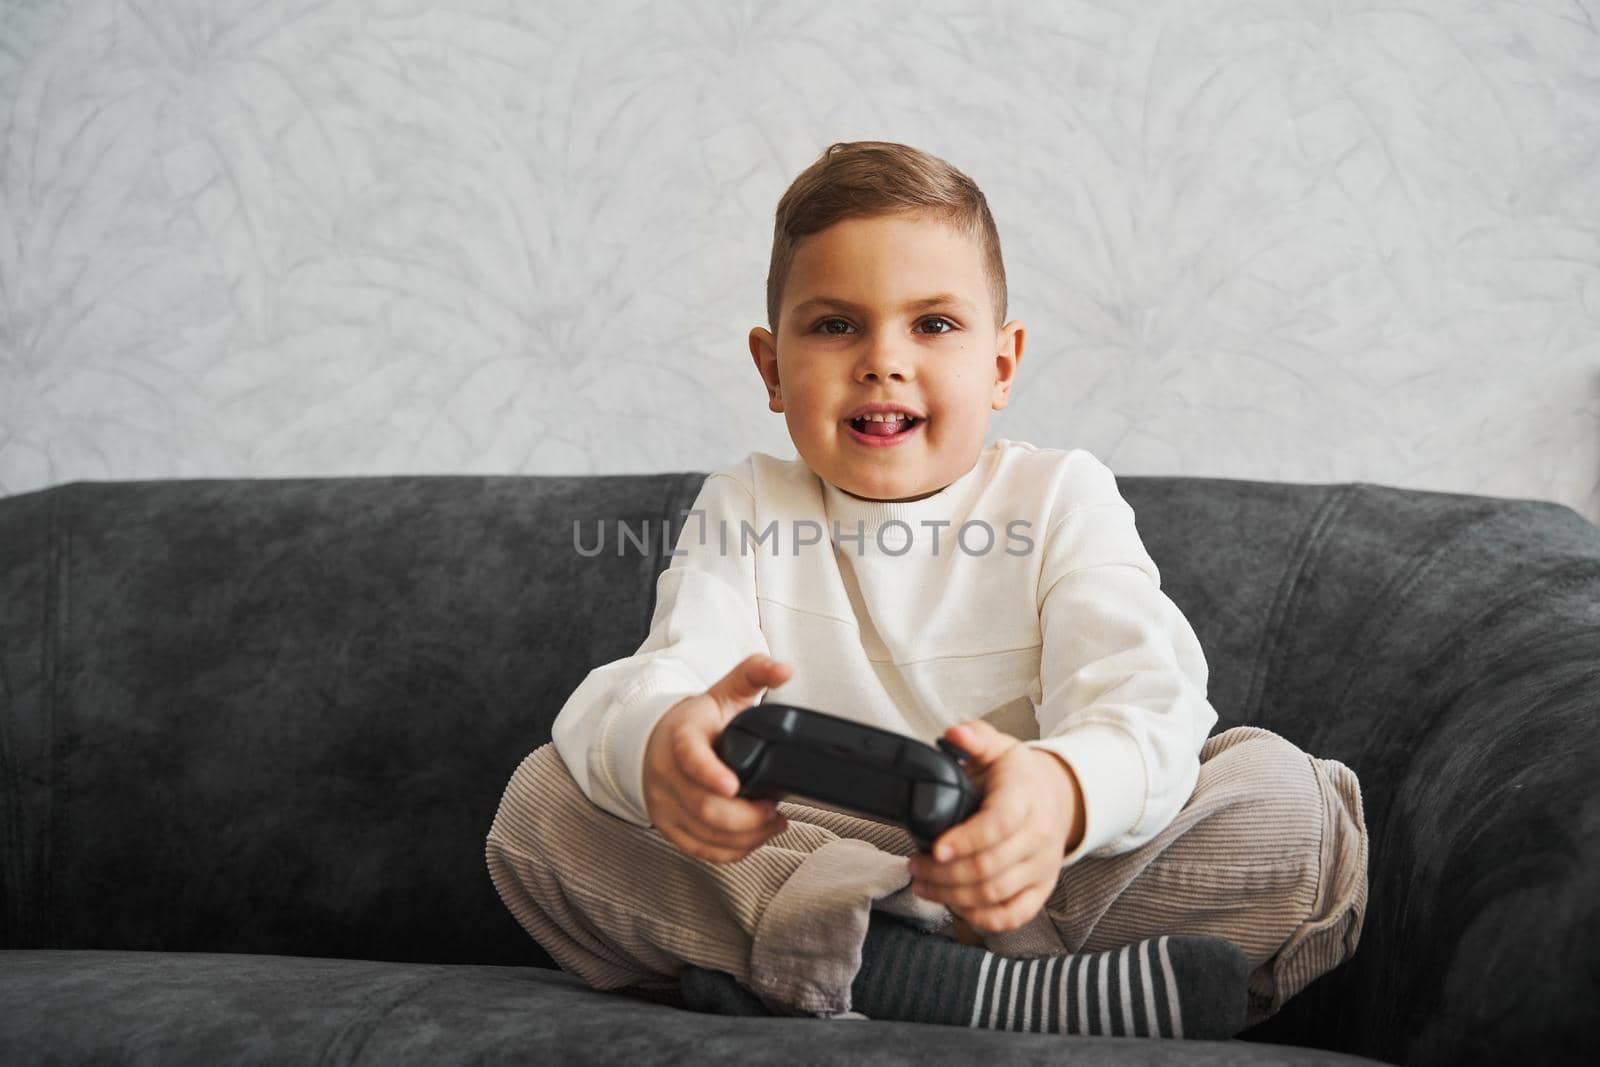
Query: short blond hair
x=852 y=179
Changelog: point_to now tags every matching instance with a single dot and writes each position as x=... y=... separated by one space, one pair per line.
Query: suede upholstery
x=253 y=732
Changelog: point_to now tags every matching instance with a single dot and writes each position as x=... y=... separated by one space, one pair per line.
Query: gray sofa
x=253 y=732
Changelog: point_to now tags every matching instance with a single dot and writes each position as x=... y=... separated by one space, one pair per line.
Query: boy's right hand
x=691 y=795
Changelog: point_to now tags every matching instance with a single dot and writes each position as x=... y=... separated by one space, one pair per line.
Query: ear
x=763 y=349
x=1007 y=355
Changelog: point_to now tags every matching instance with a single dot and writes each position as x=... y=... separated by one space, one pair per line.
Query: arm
x=1071 y=801
x=1122 y=676
x=705 y=621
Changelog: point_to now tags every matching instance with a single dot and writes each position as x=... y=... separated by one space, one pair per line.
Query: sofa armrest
x=1447 y=649
x=1492 y=858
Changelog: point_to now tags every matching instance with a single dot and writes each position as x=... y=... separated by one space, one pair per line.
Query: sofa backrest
x=277 y=715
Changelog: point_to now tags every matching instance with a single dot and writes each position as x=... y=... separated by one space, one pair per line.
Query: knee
x=541 y=793
x=1271 y=815
x=1259 y=823
x=1273 y=787
x=1301 y=818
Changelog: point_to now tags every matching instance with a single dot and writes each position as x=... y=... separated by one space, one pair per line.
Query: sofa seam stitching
x=1399 y=592
x=57 y=610
x=12 y=830
x=1269 y=652
x=1442 y=656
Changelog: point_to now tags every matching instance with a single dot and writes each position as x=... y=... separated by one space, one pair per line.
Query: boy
x=1124 y=874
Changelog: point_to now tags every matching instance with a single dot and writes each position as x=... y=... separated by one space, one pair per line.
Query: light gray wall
x=1306 y=241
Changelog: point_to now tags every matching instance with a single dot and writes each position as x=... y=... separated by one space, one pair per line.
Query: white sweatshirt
x=1046 y=618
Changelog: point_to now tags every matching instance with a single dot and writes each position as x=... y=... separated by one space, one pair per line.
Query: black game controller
x=777 y=749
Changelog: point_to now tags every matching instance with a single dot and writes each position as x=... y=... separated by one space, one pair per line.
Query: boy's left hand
x=1005 y=859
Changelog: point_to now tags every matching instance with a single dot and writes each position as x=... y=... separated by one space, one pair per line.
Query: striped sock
x=1169 y=986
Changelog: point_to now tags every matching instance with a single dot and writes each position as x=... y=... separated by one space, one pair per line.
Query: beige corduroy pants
x=1270 y=852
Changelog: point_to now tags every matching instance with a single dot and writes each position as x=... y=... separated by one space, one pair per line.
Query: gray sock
x=1169 y=986
x=717 y=993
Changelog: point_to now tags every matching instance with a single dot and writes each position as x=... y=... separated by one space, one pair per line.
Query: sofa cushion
x=195 y=1007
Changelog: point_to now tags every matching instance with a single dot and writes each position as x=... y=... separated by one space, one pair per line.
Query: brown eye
x=819 y=327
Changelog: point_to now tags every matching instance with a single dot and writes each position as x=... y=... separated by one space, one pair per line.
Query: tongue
x=887 y=429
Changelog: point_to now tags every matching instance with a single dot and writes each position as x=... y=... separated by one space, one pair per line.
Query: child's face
x=949 y=362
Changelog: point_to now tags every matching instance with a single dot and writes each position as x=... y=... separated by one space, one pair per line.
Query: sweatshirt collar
x=952 y=503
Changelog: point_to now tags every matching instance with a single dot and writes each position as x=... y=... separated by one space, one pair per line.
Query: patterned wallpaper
x=1318 y=241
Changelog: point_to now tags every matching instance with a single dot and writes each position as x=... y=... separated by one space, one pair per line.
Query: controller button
x=927 y=803
x=739 y=751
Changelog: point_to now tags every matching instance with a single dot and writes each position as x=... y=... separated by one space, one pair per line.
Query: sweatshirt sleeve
x=705 y=621
x=1122 y=674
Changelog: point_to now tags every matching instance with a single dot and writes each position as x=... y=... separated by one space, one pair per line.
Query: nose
x=883 y=360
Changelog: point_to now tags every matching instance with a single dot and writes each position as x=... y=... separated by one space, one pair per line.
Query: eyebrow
x=912 y=305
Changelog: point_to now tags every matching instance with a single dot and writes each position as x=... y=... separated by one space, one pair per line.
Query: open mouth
x=887 y=428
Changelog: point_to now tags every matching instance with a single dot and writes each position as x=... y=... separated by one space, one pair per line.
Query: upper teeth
x=892 y=416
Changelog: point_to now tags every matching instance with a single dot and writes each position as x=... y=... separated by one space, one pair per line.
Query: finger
x=699 y=765
x=740 y=687
x=992 y=892
x=973 y=871
x=996 y=819
x=674 y=828
x=696 y=840
x=713 y=837
x=1010 y=914
x=980 y=739
x=690 y=845
x=733 y=815
x=754 y=839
